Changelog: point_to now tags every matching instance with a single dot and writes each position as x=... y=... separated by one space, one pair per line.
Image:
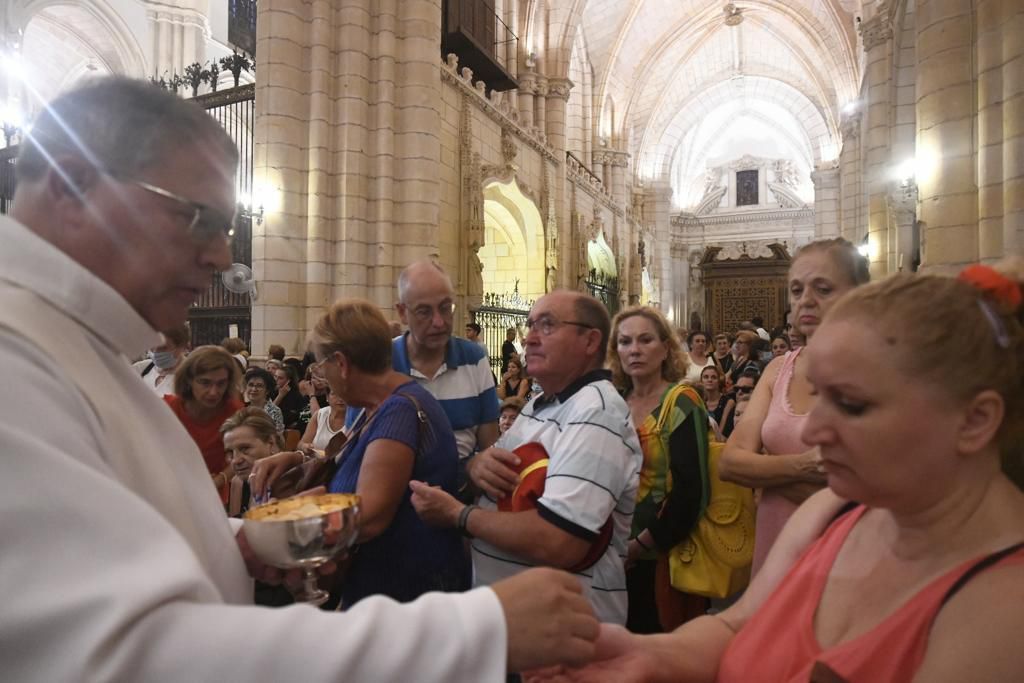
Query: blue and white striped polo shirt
x=463 y=385
x=593 y=474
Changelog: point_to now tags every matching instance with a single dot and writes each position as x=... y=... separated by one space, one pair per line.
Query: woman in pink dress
x=821 y=272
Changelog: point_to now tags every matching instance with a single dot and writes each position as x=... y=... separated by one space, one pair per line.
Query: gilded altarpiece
x=742 y=281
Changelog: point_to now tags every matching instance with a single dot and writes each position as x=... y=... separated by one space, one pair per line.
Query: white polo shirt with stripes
x=593 y=470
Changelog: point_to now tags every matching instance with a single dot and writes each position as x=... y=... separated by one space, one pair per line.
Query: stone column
x=540 y=91
x=877 y=34
x=527 y=84
x=10 y=45
x=826 y=202
x=619 y=189
x=557 y=97
x=178 y=36
x=1000 y=74
x=947 y=186
x=903 y=216
x=347 y=149
x=850 y=179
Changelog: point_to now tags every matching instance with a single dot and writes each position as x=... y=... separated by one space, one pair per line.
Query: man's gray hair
x=121 y=126
x=405 y=277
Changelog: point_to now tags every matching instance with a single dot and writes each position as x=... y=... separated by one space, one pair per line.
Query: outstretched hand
x=434 y=505
x=616 y=659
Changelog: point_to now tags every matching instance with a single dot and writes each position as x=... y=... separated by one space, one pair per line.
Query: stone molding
x=690 y=222
x=877 y=30
x=503 y=113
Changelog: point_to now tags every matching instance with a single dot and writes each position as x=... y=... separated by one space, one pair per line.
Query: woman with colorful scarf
x=647 y=364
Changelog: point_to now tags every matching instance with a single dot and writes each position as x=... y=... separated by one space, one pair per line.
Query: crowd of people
x=520 y=519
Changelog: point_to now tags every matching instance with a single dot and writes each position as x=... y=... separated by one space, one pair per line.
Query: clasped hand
x=492 y=472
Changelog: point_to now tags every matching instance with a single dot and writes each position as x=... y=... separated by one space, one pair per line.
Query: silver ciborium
x=303 y=533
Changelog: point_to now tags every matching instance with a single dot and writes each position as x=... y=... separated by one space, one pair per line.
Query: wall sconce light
x=245 y=208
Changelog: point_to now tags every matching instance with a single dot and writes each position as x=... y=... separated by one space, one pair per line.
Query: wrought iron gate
x=218 y=310
x=496 y=316
x=605 y=289
x=8 y=157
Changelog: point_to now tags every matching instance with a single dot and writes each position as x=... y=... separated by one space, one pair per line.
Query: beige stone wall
x=347 y=147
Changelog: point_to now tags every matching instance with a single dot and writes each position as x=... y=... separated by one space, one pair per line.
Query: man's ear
x=402 y=311
x=69 y=178
x=981 y=419
x=595 y=340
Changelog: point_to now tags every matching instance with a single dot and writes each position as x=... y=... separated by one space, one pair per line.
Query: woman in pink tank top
x=772 y=424
x=922 y=579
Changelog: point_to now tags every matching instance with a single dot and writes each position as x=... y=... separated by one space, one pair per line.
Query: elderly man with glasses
x=118 y=559
x=455 y=371
x=581 y=520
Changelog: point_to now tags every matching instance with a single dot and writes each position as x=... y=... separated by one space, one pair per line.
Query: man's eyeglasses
x=206 y=224
x=744 y=390
x=546 y=325
x=424 y=313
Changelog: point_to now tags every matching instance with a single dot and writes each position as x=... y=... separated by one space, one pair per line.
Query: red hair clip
x=999 y=287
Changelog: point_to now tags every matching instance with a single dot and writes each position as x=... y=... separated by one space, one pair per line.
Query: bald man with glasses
x=455 y=371
x=594 y=459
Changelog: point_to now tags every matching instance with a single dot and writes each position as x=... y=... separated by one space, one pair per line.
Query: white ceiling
x=686 y=87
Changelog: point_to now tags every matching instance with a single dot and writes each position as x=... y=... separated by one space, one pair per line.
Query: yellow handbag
x=714 y=560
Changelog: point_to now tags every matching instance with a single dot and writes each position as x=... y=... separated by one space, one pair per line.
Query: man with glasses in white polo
x=117 y=558
x=593 y=463
x=455 y=371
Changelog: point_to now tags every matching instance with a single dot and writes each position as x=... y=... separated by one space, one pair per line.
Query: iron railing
x=8 y=158
x=218 y=309
x=498 y=314
x=605 y=288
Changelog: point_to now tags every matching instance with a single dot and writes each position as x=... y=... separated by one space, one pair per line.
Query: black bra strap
x=978 y=567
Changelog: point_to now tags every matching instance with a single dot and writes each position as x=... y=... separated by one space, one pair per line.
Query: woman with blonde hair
x=821 y=272
x=717 y=402
x=648 y=364
x=921 y=579
x=205 y=395
x=400 y=435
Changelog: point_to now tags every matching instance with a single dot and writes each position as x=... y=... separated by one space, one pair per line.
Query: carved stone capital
x=849 y=126
x=825 y=177
x=540 y=86
x=527 y=81
x=877 y=30
x=560 y=87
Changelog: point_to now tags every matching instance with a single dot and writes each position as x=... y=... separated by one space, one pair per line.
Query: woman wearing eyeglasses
x=205 y=395
x=772 y=424
x=401 y=435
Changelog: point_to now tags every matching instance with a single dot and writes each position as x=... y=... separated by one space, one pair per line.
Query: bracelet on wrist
x=642 y=544
x=464 y=520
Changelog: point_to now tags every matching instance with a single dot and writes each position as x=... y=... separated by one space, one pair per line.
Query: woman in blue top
x=401 y=434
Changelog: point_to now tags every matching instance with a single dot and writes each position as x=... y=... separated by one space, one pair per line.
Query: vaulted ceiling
x=679 y=81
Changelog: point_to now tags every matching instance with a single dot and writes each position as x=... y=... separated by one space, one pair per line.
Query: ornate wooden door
x=739 y=285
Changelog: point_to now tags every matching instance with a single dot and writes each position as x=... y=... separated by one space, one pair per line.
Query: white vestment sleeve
x=97 y=585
